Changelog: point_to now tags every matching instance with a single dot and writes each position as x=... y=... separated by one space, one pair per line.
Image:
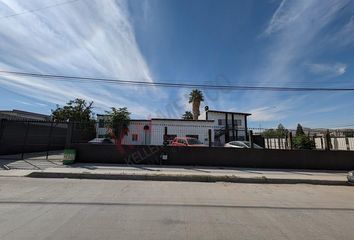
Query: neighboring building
x=225 y=126
x=229 y=126
x=321 y=132
x=23 y=115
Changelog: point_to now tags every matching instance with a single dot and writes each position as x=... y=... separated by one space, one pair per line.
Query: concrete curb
x=186 y=178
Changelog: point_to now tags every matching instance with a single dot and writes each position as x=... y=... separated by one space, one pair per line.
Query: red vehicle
x=186 y=142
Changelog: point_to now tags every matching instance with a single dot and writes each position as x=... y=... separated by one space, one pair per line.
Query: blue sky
x=259 y=43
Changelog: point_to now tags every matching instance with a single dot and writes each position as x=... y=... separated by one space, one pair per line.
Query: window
x=101 y=123
x=194 y=142
x=134 y=137
x=181 y=141
x=170 y=137
x=193 y=136
x=222 y=122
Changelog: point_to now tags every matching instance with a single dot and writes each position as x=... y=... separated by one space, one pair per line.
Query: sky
x=303 y=43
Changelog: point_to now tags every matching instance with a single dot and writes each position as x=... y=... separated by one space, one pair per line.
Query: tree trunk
x=196 y=112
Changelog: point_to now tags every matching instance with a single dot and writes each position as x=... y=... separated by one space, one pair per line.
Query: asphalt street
x=104 y=209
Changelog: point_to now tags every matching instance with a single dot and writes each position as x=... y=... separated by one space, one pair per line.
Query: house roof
x=181 y=120
x=186 y=120
x=23 y=113
x=238 y=113
x=164 y=119
x=132 y=120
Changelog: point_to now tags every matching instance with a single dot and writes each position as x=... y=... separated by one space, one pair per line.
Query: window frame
x=101 y=123
x=135 y=137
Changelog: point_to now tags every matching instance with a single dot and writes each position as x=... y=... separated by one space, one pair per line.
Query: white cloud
x=335 y=69
x=32 y=103
x=286 y=14
x=24 y=103
x=174 y=108
x=345 y=35
x=41 y=104
x=84 y=38
x=278 y=111
x=324 y=110
x=298 y=24
x=315 y=12
x=293 y=34
x=264 y=114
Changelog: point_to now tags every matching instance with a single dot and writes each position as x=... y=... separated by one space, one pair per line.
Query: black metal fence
x=18 y=136
x=216 y=156
x=21 y=136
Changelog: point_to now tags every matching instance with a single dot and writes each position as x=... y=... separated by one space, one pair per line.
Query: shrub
x=303 y=142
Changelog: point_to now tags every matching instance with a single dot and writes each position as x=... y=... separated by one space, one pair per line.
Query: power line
x=176 y=85
x=38 y=9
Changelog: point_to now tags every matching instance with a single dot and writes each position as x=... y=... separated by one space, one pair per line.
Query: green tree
x=269 y=133
x=75 y=110
x=187 y=115
x=196 y=97
x=118 y=122
x=299 y=130
x=80 y=112
x=301 y=140
x=281 y=131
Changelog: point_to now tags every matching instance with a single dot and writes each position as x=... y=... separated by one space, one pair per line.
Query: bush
x=303 y=142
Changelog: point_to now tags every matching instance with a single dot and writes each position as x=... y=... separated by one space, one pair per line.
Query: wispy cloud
x=265 y=114
x=292 y=13
x=344 y=36
x=24 y=103
x=298 y=25
x=293 y=33
x=278 y=111
x=32 y=103
x=286 y=14
x=335 y=69
x=84 y=38
x=41 y=104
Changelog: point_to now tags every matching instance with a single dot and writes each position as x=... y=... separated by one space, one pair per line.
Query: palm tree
x=187 y=115
x=196 y=97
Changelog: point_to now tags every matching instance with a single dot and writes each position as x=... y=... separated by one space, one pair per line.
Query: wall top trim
x=236 y=113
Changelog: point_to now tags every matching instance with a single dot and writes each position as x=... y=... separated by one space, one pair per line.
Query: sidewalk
x=183 y=173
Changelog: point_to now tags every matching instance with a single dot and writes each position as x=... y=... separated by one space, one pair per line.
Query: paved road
x=102 y=209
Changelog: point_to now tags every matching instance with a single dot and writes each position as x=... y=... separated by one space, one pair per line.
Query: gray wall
x=223 y=157
x=17 y=137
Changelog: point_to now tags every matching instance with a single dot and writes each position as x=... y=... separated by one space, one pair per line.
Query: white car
x=241 y=144
x=351 y=177
x=101 y=141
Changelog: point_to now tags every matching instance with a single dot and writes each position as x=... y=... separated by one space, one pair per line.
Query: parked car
x=168 y=142
x=241 y=144
x=351 y=177
x=101 y=141
x=186 y=142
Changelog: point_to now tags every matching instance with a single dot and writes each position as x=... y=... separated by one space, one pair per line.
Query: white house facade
x=223 y=127
x=229 y=126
